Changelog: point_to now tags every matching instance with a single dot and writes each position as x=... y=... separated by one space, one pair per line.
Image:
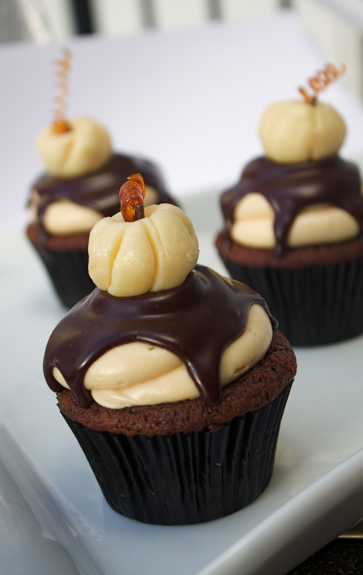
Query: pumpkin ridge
x=154 y=249
x=114 y=253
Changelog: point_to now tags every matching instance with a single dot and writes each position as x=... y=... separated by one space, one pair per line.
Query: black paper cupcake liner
x=185 y=479
x=315 y=305
x=68 y=271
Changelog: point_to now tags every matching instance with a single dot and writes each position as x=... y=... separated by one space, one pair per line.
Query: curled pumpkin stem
x=322 y=79
x=132 y=194
x=308 y=99
x=60 y=123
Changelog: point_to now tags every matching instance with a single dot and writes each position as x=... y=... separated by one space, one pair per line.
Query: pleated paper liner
x=315 y=305
x=185 y=479
x=68 y=271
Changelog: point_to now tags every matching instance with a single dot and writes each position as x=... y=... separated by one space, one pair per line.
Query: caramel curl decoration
x=132 y=194
x=60 y=124
x=322 y=79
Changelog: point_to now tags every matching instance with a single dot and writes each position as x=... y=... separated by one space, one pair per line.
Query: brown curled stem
x=322 y=79
x=139 y=212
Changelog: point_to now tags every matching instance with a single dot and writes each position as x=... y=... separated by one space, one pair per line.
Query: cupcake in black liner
x=66 y=269
x=186 y=478
x=80 y=187
x=294 y=225
x=173 y=380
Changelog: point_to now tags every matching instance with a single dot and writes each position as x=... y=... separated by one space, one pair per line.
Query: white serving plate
x=53 y=512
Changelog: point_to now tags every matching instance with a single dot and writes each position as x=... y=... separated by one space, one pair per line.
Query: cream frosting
x=65 y=217
x=297 y=131
x=84 y=149
x=141 y=374
x=253 y=224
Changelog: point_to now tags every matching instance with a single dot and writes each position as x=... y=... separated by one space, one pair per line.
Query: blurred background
x=336 y=25
x=182 y=82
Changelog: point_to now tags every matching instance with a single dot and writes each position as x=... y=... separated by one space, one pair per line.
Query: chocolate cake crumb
x=293 y=258
x=75 y=242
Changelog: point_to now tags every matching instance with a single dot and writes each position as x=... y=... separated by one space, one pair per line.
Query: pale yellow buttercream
x=320 y=224
x=65 y=217
x=142 y=374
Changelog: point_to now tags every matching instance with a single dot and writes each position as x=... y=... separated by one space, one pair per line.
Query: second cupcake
x=294 y=223
x=79 y=187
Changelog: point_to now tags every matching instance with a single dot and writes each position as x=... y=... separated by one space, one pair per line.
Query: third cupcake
x=294 y=222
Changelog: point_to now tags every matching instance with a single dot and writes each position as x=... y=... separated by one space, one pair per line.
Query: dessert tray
x=53 y=517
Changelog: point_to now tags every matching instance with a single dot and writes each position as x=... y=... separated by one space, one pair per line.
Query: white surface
x=192 y=101
x=315 y=494
x=25 y=548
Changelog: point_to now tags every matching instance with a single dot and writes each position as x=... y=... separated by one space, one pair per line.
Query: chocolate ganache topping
x=289 y=188
x=181 y=320
x=100 y=190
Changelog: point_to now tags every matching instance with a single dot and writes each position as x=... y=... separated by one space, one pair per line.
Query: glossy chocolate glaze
x=100 y=190
x=290 y=188
x=196 y=321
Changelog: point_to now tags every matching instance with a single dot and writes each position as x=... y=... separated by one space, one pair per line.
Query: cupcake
x=294 y=224
x=80 y=187
x=172 y=378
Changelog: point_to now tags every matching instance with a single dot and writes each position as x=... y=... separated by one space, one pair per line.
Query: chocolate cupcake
x=294 y=225
x=177 y=406
x=80 y=187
